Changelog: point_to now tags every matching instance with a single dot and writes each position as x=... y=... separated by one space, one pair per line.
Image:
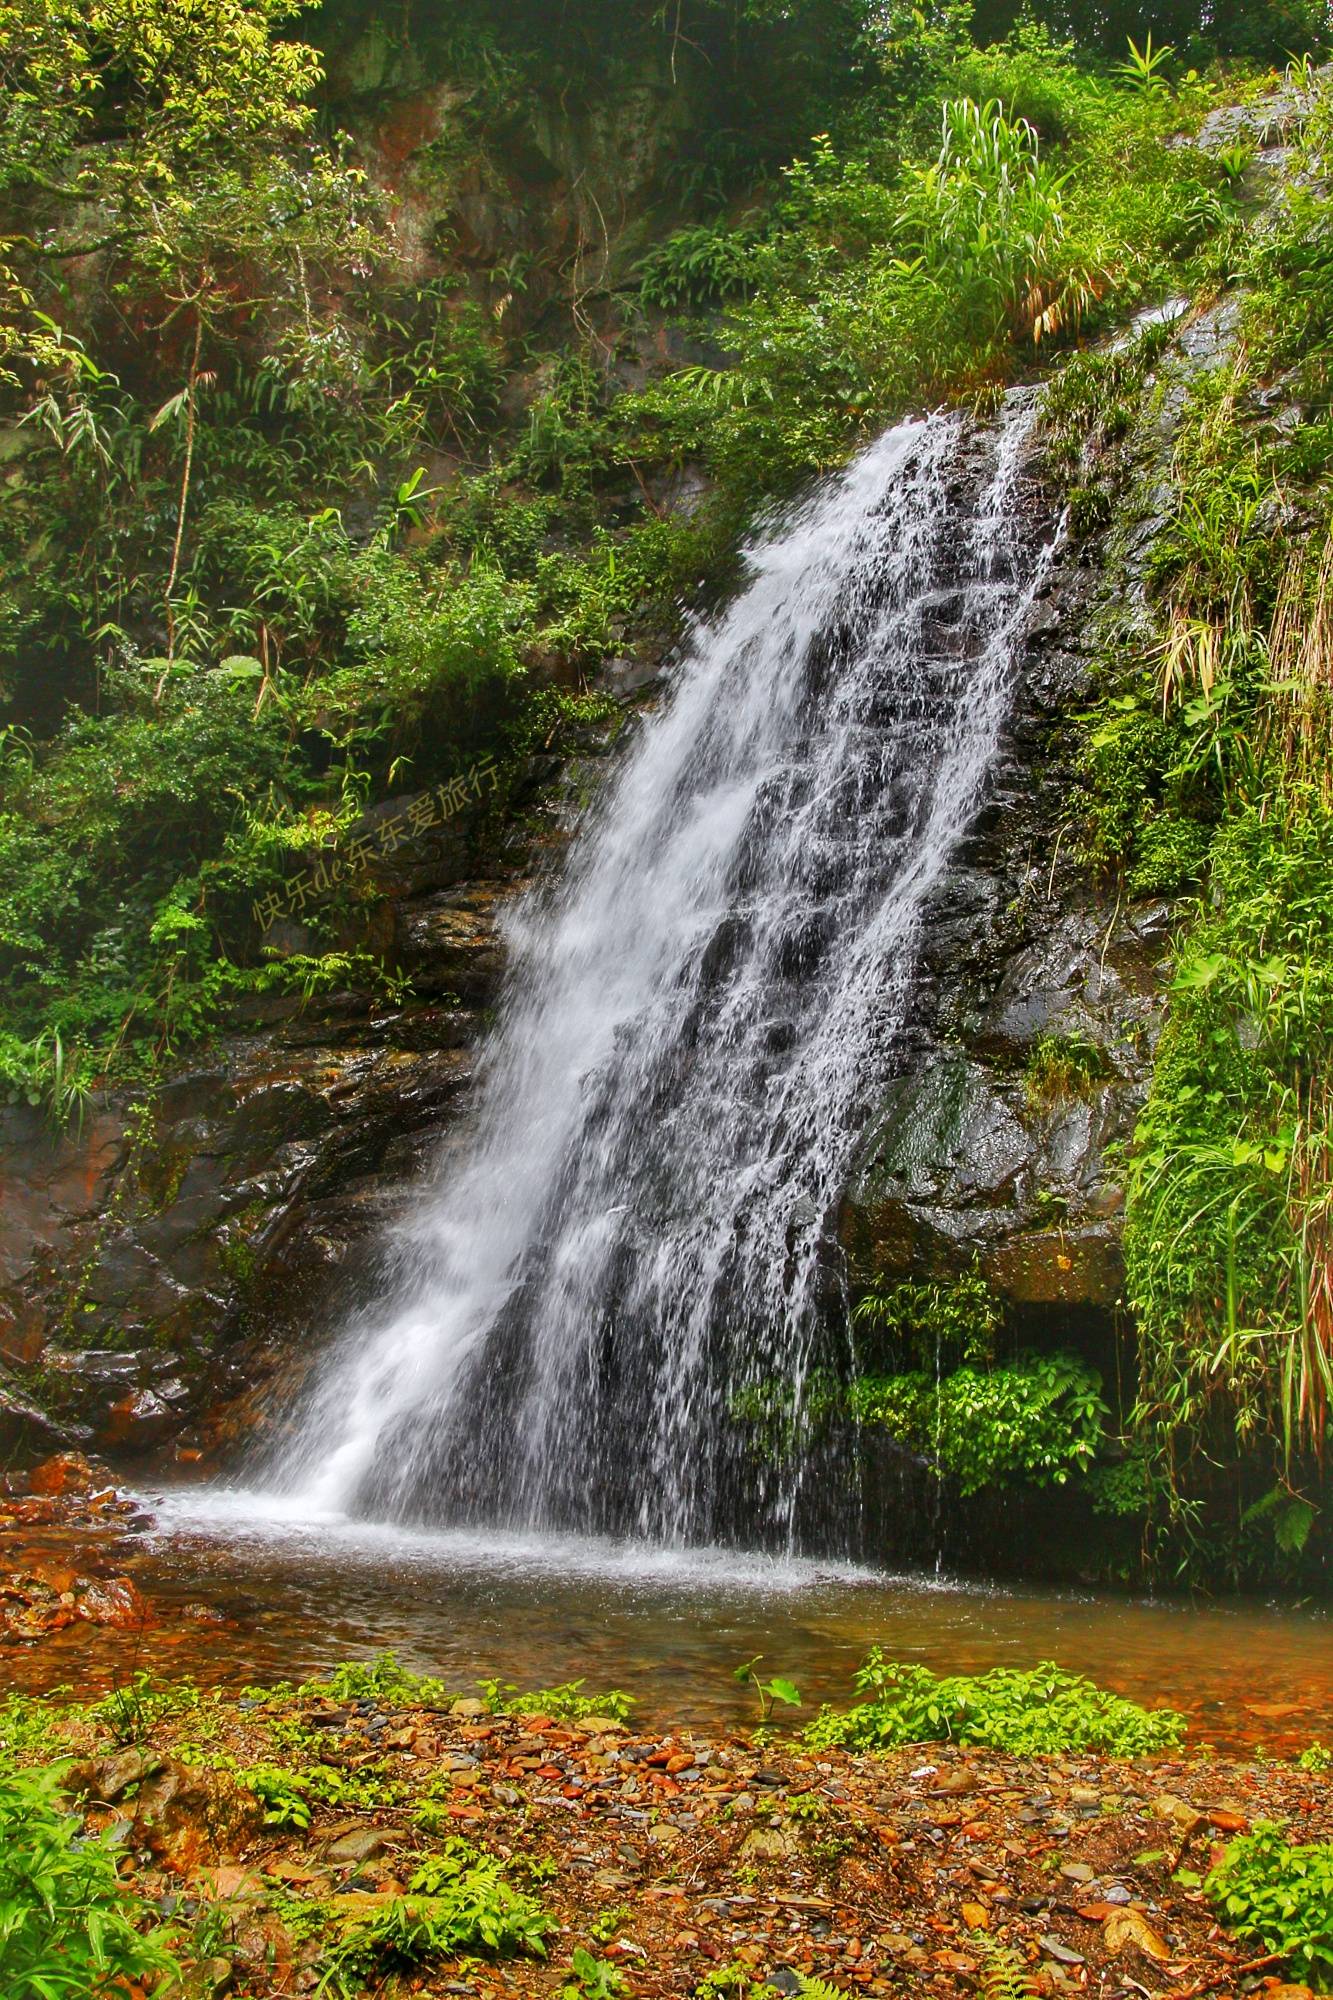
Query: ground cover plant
x=1026 y=1713
x=1280 y=1893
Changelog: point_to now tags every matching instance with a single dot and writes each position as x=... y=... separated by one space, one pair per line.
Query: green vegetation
x=1034 y=1420
x=1207 y=763
x=295 y=523
x=458 y=1901
x=1037 y=1419
x=69 y=1930
x=1063 y=1066
x=131 y=1712
x=1025 y=1713
x=592 y=1978
x=566 y=1703
x=933 y=1323
x=768 y=1692
x=1280 y=1895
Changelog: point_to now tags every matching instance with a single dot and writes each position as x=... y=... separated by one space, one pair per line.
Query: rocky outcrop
x=159 y=1262
x=1042 y=990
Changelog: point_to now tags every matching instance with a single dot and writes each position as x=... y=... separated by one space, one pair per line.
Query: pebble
x=363 y=1845
x=1062 y=1953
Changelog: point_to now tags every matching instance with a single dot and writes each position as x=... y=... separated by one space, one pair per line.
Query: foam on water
x=281 y=1525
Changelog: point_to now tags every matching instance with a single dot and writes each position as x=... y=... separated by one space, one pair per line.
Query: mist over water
x=698 y=1020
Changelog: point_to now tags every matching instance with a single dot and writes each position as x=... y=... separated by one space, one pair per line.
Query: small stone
x=1062 y=1953
x=955 y=1784
x=1179 y=1812
x=363 y=1845
x=217 y=1977
x=664 y=1834
x=1129 y=1929
x=469 y=1708
x=1077 y=1871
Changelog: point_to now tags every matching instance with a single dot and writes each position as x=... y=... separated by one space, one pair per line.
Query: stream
x=241 y=1594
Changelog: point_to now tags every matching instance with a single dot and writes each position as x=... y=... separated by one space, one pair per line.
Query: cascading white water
x=696 y=1025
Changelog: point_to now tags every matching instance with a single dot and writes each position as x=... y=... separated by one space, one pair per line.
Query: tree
x=1268 y=30
x=171 y=139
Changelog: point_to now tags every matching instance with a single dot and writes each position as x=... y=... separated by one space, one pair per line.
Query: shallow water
x=668 y=1626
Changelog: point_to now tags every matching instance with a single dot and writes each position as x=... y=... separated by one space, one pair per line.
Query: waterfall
x=697 y=1023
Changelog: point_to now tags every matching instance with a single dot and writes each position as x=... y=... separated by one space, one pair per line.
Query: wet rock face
x=146 y=1261
x=980 y=1150
x=159 y=1264
x=974 y=1153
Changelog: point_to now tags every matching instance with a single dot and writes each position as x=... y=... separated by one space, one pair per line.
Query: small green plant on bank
x=291 y=1796
x=35 y=1727
x=69 y=1929
x=767 y=1692
x=284 y=1795
x=1025 y=1713
x=1316 y=1756
x=736 y=1981
x=592 y=1978
x=565 y=1703
x=131 y=1712
x=1279 y=1895
x=381 y=1680
x=1004 y=1975
x=457 y=1901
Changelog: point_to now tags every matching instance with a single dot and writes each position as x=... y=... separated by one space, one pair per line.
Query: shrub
x=1024 y=1713
x=934 y=1320
x=696 y=266
x=1281 y=1896
x=69 y=1930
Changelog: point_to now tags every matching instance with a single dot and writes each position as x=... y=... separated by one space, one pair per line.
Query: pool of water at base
x=243 y=1592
